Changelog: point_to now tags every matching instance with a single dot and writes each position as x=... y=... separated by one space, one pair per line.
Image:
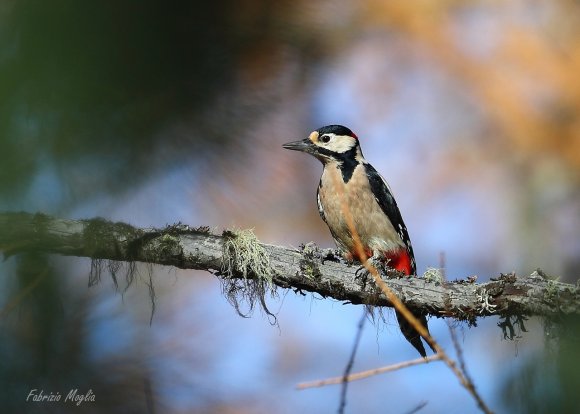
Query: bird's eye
x=325 y=138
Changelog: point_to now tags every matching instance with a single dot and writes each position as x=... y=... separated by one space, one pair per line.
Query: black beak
x=305 y=145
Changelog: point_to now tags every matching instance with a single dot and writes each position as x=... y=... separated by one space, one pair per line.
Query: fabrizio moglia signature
x=73 y=396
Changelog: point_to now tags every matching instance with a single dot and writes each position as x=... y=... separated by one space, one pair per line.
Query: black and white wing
x=387 y=202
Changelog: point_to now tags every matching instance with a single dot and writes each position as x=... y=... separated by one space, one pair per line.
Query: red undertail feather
x=400 y=260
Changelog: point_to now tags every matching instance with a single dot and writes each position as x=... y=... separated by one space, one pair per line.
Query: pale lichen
x=484 y=297
x=312 y=257
x=434 y=275
x=551 y=290
x=246 y=271
x=244 y=255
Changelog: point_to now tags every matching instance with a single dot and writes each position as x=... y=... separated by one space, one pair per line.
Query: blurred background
x=157 y=112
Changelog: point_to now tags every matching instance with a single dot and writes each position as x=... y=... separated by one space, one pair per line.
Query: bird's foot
x=379 y=263
x=363 y=272
x=362 y=275
x=383 y=267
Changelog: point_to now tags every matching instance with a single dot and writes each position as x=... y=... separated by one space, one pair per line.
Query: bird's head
x=329 y=143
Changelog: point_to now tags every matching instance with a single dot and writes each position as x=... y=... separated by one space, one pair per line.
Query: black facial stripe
x=347 y=161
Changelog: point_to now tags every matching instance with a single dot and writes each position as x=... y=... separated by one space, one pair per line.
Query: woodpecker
x=349 y=181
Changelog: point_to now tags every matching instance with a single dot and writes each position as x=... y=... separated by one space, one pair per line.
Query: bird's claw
x=362 y=275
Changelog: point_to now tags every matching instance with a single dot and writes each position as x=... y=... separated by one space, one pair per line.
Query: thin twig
x=22 y=294
x=459 y=351
x=418 y=408
x=402 y=308
x=348 y=368
x=369 y=373
x=149 y=400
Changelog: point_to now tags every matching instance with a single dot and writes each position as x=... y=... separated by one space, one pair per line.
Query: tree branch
x=306 y=269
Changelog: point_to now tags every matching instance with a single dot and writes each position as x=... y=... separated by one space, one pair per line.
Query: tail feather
x=410 y=334
x=403 y=261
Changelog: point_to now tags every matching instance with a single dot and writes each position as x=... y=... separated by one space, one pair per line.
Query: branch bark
x=307 y=269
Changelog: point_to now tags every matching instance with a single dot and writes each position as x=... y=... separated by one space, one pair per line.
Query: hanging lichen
x=246 y=272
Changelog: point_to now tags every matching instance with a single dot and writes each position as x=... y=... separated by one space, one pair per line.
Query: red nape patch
x=400 y=261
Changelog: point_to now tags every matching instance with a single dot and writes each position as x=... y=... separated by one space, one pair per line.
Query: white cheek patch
x=339 y=144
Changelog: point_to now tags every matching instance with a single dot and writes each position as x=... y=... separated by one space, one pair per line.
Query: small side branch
x=366 y=374
x=304 y=269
